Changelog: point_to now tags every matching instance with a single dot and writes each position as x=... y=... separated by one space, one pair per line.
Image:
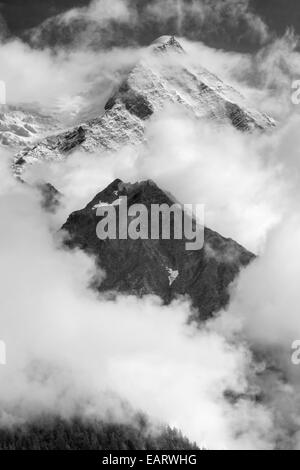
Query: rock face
x=161 y=267
x=164 y=76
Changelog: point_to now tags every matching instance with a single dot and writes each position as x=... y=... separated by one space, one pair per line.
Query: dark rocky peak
x=163 y=267
x=142 y=192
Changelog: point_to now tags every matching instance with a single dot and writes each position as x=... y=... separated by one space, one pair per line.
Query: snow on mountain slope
x=166 y=75
x=21 y=126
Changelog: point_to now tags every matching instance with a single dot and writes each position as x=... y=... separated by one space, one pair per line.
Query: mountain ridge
x=164 y=76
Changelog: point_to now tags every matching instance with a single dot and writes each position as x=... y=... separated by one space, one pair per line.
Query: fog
x=70 y=350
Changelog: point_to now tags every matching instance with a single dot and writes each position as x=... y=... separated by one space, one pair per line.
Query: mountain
x=164 y=76
x=21 y=126
x=161 y=267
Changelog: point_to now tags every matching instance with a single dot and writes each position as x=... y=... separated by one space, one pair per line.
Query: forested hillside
x=57 y=434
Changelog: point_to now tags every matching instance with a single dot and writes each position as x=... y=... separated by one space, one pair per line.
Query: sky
x=278 y=15
x=20 y=14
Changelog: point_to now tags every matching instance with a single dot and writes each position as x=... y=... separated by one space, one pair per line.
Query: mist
x=70 y=350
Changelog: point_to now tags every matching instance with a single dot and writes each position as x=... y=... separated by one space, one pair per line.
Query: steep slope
x=165 y=76
x=161 y=267
x=22 y=126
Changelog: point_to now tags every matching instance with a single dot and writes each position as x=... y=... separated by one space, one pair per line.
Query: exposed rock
x=134 y=102
x=144 y=266
x=50 y=196
x=72 y=139
x=163 y=77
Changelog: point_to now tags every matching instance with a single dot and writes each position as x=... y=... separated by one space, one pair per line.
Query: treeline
x=77 y=434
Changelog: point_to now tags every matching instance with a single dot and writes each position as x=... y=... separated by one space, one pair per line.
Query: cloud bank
x=69 y=350
x=122 y=23
x=219 y=14
x=250 y=184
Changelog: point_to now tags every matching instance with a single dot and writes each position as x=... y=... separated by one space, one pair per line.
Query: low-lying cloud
x=64 y=84
x=219 y=14
x=69 y=350
x=122 y=23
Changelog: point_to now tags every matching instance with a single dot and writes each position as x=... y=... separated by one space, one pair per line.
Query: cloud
x=236 y=175
x=264 y=310
x=245 y=180
x=103 y=24
x=265 y=77
x=271 y=294
x=271 y=73
x=208 y=15
x=70 y=86
x=69 y=350
x=73 y=84
x=98 y=12
x=3 y=27
x=94 y=25
x=250 y=184
x=67 y=347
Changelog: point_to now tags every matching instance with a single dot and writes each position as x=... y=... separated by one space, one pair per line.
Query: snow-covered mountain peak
x=166 y=43
x=157 y=81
